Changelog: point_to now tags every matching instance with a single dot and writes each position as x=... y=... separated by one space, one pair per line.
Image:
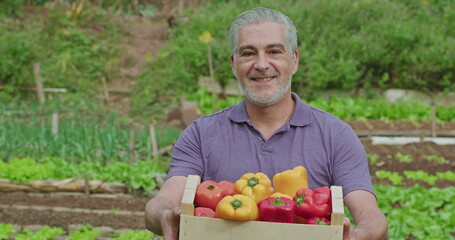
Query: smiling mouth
x=262 y=79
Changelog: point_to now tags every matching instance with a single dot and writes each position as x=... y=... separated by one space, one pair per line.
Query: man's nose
x=262 y=62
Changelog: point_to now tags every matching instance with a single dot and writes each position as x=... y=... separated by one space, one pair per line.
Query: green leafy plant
x=421 y=176
x=416 y=212
x=436 y=158
x=394 y=177
x=86 y=232
x=6 y=230
x=404 y=158
x=373 y=158
x=42 y=234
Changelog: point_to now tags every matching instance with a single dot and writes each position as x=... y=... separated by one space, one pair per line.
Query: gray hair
x=260 y=15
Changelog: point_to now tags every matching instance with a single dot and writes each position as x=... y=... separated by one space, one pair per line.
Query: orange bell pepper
x=289 y=181
x=257 y=186
x=237 y=207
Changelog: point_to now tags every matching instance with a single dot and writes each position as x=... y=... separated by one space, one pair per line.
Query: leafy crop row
x=355 y=108
x=85 y=133
x=397 y=179
x=86 y=232
x=418 y=213
x=139 y=175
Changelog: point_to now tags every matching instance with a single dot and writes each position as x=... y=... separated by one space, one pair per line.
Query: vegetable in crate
x=277 y=209
x=257 y=186
x=237 y=207
x=315 y=203
x=318 y=221
x=208 y=194
x=204 y=212
x=228 y=187
x=278 y=194
x=289 y=181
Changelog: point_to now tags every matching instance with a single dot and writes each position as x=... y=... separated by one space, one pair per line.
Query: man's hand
x=162 y=213
x=170 y=224
x=347 y=229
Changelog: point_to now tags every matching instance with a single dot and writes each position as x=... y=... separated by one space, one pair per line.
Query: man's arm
x=371 y=224
x=162 y=213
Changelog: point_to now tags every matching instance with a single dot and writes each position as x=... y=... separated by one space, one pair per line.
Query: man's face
x=264 y=65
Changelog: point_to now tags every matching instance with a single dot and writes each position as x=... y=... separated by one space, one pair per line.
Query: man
x=270 y=131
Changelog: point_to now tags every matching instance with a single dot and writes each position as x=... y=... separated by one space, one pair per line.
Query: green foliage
x=343 y=45
x=421 y=176
x=73 y=53
x=395 y=178
x=6 y=230
x=404 y=158
x=86 y=232
x=42 y=234
x=134 y=235
x=436 y=158
x=205 y=102
x=358 y=108
x=373 y=158
x=138 y=175
x=418 y=213
x=85 y=133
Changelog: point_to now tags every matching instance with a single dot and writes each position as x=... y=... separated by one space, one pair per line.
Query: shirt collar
x=302 y=115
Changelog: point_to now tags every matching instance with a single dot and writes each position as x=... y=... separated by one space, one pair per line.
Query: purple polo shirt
x=225 y=145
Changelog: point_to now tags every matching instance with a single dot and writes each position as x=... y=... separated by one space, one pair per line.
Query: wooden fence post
x=54 y=124
x=433 y=119
x=39 y=82
x=153 y=140
x=131 y=146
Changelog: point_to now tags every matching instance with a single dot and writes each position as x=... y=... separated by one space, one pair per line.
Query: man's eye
x=275 y=51
x=246 y=54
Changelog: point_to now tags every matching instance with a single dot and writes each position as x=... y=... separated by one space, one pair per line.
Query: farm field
x=65 y=209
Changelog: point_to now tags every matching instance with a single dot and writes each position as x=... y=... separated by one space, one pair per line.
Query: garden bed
x=126 y=211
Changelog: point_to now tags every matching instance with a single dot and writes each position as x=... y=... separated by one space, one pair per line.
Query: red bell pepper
x=208 y=194
x=204 y=212
x=318 y=221
x=277 y=209
x=315 y=203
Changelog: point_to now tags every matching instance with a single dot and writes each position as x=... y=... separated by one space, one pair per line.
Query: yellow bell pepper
x=257 y=186
x=278 y=195
x=237 y=207
x=289 y=181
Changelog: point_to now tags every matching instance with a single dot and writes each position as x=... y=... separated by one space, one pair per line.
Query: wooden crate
x=203 y=228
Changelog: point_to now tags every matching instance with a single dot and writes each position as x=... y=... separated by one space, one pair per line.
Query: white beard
x=262 y=100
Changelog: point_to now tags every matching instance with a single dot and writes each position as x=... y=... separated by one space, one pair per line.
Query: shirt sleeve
x=350 y=164
x=187 y=155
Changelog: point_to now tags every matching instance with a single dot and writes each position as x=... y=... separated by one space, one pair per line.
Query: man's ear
x=295 y=61
x=233 y=67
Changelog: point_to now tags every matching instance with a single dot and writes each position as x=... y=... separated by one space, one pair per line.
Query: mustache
x=257 y=74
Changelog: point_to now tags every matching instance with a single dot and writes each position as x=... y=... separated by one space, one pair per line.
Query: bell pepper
x=277 y=209
x=257 y=186
x=278 y=194
x=204 y=212
x=289 y=181
x=208 y=194
x=315 y=203
x=237 y=207
x=318 y=221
